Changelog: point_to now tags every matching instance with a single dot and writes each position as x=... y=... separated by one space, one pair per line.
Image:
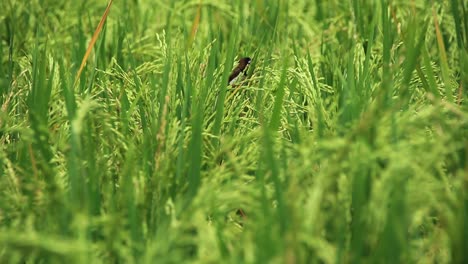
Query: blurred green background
x=347 y=142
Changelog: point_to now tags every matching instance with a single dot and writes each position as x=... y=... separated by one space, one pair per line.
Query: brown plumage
x=241 y=68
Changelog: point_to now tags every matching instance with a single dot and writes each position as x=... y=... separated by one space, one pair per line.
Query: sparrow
x=240 y=70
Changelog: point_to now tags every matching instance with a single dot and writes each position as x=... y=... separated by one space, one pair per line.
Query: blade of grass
x=442 y=57
x=456 y=17
x=430 y=73
x=278 y=104
x=195 y=24
x=220 y=100
x=93 y=41
x=318 y=100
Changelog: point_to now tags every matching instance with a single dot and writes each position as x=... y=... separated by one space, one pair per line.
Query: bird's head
x=245 y=61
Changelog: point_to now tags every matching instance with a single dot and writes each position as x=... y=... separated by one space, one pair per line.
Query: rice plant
x=344 y=142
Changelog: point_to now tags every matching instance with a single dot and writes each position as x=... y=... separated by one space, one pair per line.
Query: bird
x=241 y=69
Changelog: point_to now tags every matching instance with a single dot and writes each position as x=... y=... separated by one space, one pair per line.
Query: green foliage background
x=346 y=144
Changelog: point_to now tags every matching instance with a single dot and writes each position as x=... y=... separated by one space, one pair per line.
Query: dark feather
x=241 y=68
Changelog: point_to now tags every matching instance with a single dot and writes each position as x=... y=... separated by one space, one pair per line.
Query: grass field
x=346 y=143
